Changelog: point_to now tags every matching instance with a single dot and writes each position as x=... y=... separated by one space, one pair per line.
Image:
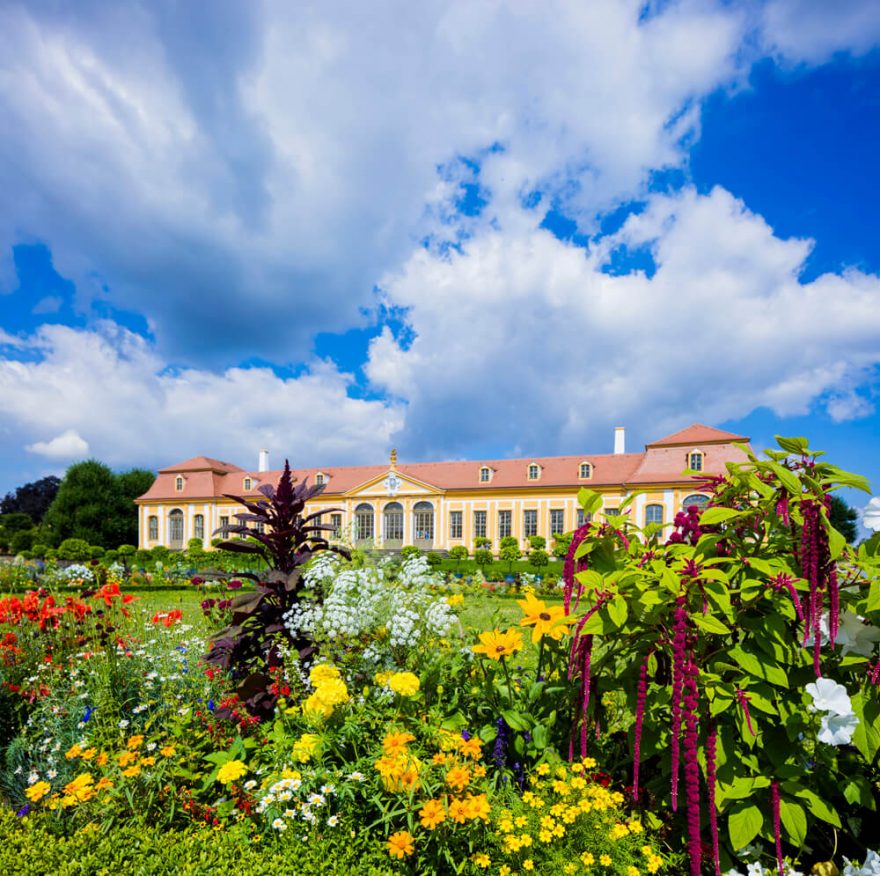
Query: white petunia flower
x=829 y=696
x=837 y=729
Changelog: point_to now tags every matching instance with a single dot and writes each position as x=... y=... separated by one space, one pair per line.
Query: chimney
x=264 y=461
x=619 y=440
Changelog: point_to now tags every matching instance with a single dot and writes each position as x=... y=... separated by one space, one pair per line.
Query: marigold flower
x=231 y=771
x=432 y=814
x=135 y=742
x=495 y=644
x=305 y=747
x=472 y=747
x=37 y=791
x=400 y=844
x=132 y=771
x=458 y=811
x=405 y=684
x=482 y=860
x=458 y=777
x=395 y=743
x=323 y=673
x=167 y=751
x=552 y=622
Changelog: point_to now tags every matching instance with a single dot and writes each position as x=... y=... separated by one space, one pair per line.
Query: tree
x=844 y=519
x=561 y=541
x=32 y=499
x=509 y=551
x=90 y=505
x=458 y=553
x=133 y=484
x=538 y=558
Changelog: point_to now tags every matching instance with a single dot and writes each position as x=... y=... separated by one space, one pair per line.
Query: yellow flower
x=148 y=761
x=633 y=871
x=37 y=791
x=479 y=771
x=542 y=769
x=605 y=860
x=305 y=747
x=552 y=622
x=495 y=644
x=504 y=871
x=323 y=673
x=528 y=864
x=395 y=742
x=618 y=831
x=132 y=771
x=481 y=859
x=406 y=684
x=102 y=759
x=382 y=677
x=654 y=863
x=73 y=751
x=231 y=771
x=587 y=859
x=400 y=844
x=477 y=807
x=126 y=758
x=103 y=784
x=458 y=778
x=135 y=742
x=167 y=751
x=89 y=753
x=456 y=599
x=458 y=811
x=432 y=814
x=472 y=747
x=81 y=788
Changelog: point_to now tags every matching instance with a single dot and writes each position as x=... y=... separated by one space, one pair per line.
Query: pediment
x=393 y=483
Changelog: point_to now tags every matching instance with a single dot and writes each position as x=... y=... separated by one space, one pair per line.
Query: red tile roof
x=695 y=435
x=198 y=463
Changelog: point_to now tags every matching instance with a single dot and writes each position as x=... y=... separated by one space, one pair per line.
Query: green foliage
x=537 y=542
x=409 y=551
x=15 y=522
x=481 y=541
x=508 y=541
x=32 y=499
x=23 y=540
x=434 y=559
x=561 y=541
x=74 y=549
x=844 y=519
x=458 y=553
x=509 y=552
x=538 y=558
x=483 y=557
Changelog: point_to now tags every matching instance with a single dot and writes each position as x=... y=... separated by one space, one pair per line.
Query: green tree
x=509 y=552
x=844 y=519
x=132 y=485
x=537 y=542
x=561 y=542
x=538 y=558
x=32 y=499
x=458 y=553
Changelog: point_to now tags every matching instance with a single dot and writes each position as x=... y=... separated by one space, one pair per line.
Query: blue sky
x=471 y=231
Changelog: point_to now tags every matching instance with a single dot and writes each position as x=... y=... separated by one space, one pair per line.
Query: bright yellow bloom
x=103 y=784
x=148 y=761
x=455 y=599
x=81 y=788
x=405 y=684
x=482 y=860
x=89 y=753
x=439 y=759
x=323 y=673
x=635 y=826
x=495 y=644
x=382 y=677
x=552 y=622
x=125 y=758
x=432 y=814
x=525 y=840
x=587 y=859
x=504 y=871
x=135 y=742
x=479 y=771
x=395 y=742
x=167 y=751
x=472 y=747
x=528 y=864
x=400 y=844
x=458 y=811
x=654 y=863
x=37 y=791
x=477 y=806
x=458 y=778
x=618 y=831
x=231 y=771
x=633 y=871
x=605 y=860
x=102 y=759
x=305 y=747
x=74 y=751
x=542 y=769
x=132 y=771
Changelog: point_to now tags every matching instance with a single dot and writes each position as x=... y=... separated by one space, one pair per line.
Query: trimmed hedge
x=29 y=848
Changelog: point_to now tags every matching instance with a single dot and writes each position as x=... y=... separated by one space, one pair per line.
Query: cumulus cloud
x=524 y=340
x=115 y=398
x=64 y=447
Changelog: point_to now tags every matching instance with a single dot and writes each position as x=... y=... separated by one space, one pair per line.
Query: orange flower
x=472 y=747
x=167 y=751
x=458 y=777
x=132 y=771
x=89 y=753
x=477 y=806
x=126 y=758
x=552 y=622
x=148 y=761
x=103 y=784
x=135 y=742
x=400 y=844
x=102 y=758
x=432 y=813
x=395 y=743
x=458 y=811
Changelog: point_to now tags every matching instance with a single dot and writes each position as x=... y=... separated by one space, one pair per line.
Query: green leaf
x=867 y=733
x=797 y=445
x=818 y=806
x=710 y=624
x=515 y=721
x=743 y=824
x=713 y=516
x=719 y=705
x=794 y=820
x=787 y=478
x=874 y=596
x=539 y=737
x=618 y=611
x=758 y=667
x=836 y=541
x=589 y=500
x=858 y=792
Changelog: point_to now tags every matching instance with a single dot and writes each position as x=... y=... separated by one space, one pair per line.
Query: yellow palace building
x=438 y=505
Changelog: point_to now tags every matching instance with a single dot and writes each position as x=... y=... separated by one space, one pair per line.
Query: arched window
x=423 y=524
x=654 y=514
x=248 y=483
x=586 y=471
x=153 y=529
x=199 y=526
x=178 y=483
x=533 y=472
x=319 y=479
x=695 y=499
x=365 y=529
x=485 y=474
x=695 y=460
x=392 y=525
x=175 y=528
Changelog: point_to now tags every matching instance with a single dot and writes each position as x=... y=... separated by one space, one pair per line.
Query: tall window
x=557 y=521
x=199 y=526
x=612 y=512
x=153 y=527
x=423 y=521
x=178 y=484
x=654 y=514
x=175 y=527
x=530 y=523
x=455 y=524
x=319 y=479
x=695 y=499
x=533 y=472
x=224 y=526
x=484 y=475
x=392 y=522
x=336 y=523
x=695 y=461
x=586 y=470
x=504 y=523
x=479 y=524
x=364 y=525
x=248 y=483
x=583 y=517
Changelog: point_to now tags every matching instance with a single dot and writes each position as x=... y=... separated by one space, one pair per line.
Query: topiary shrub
x=76 y=550
x=408 y=552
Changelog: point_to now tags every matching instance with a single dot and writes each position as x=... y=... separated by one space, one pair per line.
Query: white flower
x=837 y=729
x=829 y=696
x=123 y=724
x=52 y=773
x=279 y=824
x=856 y=636
x=328 y=789
x=871 y=866
x=250 y=784
x=332 y=821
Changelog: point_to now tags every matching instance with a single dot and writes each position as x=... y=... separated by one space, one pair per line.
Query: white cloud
x=524 y=340
x=109 y=387
x=66 y=446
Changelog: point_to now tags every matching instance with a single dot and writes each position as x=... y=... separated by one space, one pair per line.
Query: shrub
x=409 y=551
x=434 y=559
x=75 y=549
x=509 y=552
x=96 y=552
x=537 y=542
x=538 y=558
x=483 y=557
x=22 y=540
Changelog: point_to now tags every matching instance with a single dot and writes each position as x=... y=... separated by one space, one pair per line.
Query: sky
x=464 y=230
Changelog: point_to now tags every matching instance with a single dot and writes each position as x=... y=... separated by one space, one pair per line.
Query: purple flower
x=24 y=810
x=234 y=584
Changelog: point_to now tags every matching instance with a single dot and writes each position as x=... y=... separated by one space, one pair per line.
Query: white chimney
x=619 y=439
x=264 y=461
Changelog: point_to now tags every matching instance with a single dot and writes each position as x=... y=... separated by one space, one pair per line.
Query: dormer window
x=485 y=474
x=534 y=471
x=178 y=484
x=585 y=471
x=248 y=483
x=319 y=479
x=695 y=460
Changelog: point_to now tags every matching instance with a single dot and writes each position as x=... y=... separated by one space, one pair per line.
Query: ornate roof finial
x=394 y=458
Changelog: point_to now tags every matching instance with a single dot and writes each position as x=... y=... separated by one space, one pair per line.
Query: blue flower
x=88 y=714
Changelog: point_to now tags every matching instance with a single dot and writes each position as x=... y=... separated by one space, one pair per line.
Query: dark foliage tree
x=32 y=499
x=133 y=484
x=844 y=519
